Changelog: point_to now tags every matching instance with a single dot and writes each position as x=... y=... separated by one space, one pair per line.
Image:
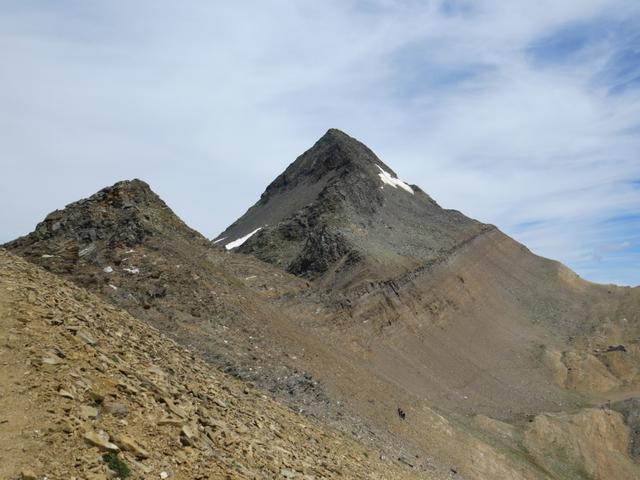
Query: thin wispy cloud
x=522 y=114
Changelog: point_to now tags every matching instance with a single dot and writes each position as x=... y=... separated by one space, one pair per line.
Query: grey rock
x=117 y=409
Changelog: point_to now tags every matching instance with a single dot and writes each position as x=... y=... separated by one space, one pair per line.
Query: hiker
x=401 y=413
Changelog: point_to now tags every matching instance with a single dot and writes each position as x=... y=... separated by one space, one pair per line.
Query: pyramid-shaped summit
x=340 y=214
x=334 y=152
x=335 y=155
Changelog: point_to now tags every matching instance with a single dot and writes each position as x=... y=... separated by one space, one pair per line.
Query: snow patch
x=132 y=270
x=219 y=240
x=241 y=240
x=107 y=270
x=389 y=179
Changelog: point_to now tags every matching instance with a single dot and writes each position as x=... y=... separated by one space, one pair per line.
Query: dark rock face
x=322 y=249
x=338 y=211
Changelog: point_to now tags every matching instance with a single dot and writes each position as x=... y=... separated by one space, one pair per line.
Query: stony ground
x=89 y=392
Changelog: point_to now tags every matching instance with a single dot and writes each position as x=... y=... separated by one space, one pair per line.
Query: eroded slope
x=85 y=384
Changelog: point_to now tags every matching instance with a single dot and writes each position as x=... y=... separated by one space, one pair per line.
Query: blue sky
x=521 y=114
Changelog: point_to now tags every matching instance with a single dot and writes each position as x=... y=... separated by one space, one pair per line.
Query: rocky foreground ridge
x=89 y=392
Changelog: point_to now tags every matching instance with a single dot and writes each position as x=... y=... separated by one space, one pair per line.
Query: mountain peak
x=127 y=193
x=336 y=132
x=337 y=136
x=133 y=185
x=339 y=210
x=336 y=148
x=335 y=154
x=123 y=214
